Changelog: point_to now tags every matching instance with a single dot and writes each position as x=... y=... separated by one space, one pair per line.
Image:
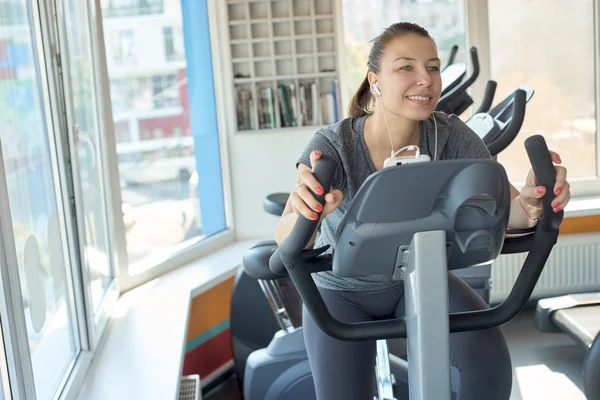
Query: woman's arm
x=520 y=218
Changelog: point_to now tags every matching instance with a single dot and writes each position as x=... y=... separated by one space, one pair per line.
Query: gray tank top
x=345 y=142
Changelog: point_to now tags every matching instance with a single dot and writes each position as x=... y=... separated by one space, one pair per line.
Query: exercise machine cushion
x=582 y=323
x=256 y=260
x=275 y=203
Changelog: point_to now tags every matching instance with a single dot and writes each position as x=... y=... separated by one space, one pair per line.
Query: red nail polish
x=319 y=190
x=315 y=216
x=540 y=190
x=558 y=190
x=554 y=205
x=319 y=208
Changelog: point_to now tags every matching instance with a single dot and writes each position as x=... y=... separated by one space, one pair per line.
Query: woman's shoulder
x=337 y=139
x=454 y=127
x=446 y=121
x=461 y=140
x=342 y=131
x=345 y=126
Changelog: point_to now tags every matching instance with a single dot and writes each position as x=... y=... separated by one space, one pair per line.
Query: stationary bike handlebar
x=300 y=264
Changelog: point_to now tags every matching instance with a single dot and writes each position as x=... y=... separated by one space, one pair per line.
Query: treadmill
x=577 y=315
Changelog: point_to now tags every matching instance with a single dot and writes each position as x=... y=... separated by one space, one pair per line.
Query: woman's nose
x=424 y=79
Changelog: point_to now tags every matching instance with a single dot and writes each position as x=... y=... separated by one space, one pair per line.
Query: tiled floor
x=546 y=366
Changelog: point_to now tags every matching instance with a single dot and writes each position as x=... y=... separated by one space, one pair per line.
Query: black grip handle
x=475 y=64
x=452 y=55
x=303 y=229
x=488 y=97
x=545 y=175
x=514 y=126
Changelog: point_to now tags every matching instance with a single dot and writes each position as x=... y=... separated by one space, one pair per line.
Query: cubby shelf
x=284 y=63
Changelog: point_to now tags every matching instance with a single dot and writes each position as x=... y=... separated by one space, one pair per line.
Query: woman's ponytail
x=359 y=105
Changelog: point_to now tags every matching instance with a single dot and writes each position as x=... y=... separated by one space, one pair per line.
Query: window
x=123 y=45
x=137 y=93
x=130 y=94
x=551 y=48
x=165 y=91
x=160 y=197
x=60 y=270
x=40 y=229
x=12 y=13
x=443 y=19
x=173 y=39
x=129 y=8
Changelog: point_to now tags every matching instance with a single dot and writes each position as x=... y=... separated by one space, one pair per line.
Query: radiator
x=189 y=388
x=573 y=266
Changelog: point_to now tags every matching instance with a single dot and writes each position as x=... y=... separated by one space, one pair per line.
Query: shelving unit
x=284 y=63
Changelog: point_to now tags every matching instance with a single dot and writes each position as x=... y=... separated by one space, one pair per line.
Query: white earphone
x=376 y=89
x=393 y=160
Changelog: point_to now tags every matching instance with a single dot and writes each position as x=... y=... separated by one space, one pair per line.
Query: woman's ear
x=373 y=79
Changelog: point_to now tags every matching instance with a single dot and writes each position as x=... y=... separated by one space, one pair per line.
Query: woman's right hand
x=303 y=201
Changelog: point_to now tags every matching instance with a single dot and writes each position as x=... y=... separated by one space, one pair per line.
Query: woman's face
x=409 y=77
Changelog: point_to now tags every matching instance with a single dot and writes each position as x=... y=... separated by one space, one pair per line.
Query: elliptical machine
x=454 y=98
x=281 y=367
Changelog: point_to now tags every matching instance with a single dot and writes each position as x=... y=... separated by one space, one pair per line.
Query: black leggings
x=346 y=370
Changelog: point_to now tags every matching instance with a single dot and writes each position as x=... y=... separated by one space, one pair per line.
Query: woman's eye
x=433 y=68
x=405 y=68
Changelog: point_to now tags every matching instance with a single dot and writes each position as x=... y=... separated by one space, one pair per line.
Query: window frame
x=4 y=378
x=18 y=360
x=190 y=250
x=18 y=356
x=13 y=326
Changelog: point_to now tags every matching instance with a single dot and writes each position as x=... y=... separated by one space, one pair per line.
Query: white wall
x=262 y=163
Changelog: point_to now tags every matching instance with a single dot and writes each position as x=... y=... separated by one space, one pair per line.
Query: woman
x=394 y=108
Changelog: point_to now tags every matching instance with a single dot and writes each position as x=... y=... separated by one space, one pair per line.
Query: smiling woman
x=444 y=20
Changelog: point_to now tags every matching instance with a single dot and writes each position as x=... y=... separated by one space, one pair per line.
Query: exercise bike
x=287 y=348
x=458 y=220
x=250 y=308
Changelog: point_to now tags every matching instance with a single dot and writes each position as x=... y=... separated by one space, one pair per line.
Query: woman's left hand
x=531 y=195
